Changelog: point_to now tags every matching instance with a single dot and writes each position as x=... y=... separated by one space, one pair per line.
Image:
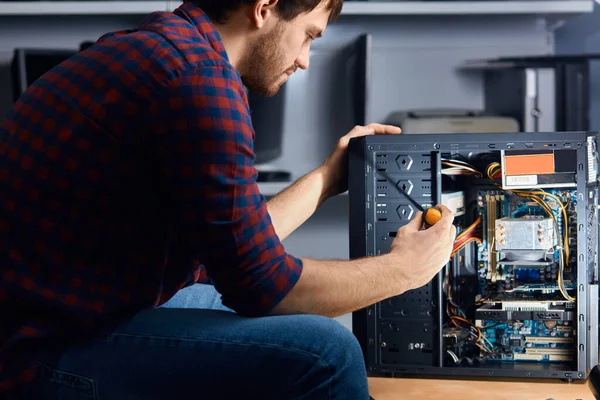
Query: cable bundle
x=457 y=167
x=471 y=234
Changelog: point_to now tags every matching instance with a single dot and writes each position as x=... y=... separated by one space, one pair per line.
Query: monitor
x=267 y=119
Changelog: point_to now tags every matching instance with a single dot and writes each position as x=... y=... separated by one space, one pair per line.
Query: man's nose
x=303 y=60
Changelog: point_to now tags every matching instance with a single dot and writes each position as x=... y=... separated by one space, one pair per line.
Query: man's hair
x=219 y=10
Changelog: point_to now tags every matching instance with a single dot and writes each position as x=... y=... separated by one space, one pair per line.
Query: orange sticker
x=529 y=164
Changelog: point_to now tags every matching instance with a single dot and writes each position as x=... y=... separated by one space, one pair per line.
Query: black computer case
x=410 y=334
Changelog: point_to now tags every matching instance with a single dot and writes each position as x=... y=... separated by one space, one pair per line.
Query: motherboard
x=523 y=309
x=529 y=340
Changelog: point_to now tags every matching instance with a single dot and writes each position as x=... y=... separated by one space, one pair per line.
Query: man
x=126 y=174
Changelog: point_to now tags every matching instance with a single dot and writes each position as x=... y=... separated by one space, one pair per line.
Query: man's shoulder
x=169 y=46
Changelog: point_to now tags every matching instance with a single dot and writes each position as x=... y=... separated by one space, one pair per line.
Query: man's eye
x=309 y=36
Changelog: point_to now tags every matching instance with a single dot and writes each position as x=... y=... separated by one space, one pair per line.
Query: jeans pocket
x=54 y=384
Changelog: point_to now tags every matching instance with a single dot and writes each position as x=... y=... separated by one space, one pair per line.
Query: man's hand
x=335 y=168
x=428 y=249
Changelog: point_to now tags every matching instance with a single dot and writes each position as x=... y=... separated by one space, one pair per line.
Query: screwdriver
x=430 y=215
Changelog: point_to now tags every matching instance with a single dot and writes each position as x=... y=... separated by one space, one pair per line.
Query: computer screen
x=267 y=118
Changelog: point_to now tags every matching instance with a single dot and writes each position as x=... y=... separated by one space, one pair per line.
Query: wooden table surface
x=448 y=389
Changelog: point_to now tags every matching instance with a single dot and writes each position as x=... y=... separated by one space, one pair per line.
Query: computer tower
x=543 y=93
x=519 y=296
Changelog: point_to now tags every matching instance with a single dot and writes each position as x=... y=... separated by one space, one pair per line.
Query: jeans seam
x=186 y=339
x=329 y=372
x=330 y=384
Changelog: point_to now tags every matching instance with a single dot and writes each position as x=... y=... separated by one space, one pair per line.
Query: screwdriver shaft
x=419 y=207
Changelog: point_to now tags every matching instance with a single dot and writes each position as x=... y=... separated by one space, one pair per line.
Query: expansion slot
x=528 y=357
x=549 y=351
x=551 y=339
x=541 y=357
x=526 y=306
x=555 y=357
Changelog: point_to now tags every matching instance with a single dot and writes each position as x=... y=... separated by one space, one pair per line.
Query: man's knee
x=340 y=371
x=335 y=343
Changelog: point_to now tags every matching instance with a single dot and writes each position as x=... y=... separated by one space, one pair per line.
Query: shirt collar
x=202 y=22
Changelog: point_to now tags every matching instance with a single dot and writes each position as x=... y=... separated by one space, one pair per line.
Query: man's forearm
x=334 y=288
x=294 y=205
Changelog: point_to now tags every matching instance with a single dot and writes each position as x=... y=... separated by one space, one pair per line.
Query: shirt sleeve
x=204 y=140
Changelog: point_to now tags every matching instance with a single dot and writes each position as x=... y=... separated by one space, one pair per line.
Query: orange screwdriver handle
x=431 y=216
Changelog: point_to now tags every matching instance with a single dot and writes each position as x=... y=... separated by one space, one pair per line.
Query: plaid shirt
x=126 y=173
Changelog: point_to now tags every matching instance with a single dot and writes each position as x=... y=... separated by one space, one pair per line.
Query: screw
x=383 y=344
x=436 y=146
x=370 y=147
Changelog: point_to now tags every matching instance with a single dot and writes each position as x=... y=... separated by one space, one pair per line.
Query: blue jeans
x=193 y=347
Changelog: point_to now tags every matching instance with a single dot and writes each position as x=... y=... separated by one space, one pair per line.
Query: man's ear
x=263 y=11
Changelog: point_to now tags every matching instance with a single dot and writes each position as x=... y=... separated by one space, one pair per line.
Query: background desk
x=434 y=389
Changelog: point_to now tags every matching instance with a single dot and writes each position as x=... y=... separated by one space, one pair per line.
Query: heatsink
x=529 y=233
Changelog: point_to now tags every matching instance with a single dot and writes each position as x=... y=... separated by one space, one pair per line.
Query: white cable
x=454 y=356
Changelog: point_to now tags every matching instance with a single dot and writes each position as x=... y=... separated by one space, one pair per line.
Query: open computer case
x=519 y=297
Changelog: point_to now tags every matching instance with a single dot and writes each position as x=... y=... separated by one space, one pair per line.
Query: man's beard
x=262 y=64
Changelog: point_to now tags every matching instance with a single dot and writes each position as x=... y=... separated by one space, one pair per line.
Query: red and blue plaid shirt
x=126 y=173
